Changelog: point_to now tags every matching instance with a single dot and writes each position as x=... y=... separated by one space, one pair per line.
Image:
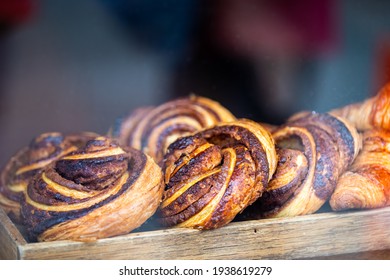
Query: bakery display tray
x=319 y=235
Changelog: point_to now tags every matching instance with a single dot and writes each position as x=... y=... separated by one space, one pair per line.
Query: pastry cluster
x=191 y=163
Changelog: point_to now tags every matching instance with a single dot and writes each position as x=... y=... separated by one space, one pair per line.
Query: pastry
x=374 y=112
x=152 y=130
x=19 y=170
x=314 y=150
x=366 y=183
x=213 y=175
x=98 y=191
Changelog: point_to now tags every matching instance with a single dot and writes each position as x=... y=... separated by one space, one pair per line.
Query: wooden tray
x=316 y=236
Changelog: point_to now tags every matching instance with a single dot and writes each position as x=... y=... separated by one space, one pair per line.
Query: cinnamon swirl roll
x=98 y=191
x=314 y=150
x=152 y=130
x=19 y=170
x=214 y=174
x=366 y=184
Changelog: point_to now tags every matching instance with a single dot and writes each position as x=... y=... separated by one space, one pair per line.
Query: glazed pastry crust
x=215 y=174
x=100 y=191
x=366 y=184
x=17 y=173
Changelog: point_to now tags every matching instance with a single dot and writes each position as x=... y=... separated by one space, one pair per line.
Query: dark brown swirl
x=152 y=130
x=98 y=191
x=43 y=150
x=213 y=175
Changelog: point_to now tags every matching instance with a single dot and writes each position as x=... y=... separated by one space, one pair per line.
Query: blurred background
x=71 y=65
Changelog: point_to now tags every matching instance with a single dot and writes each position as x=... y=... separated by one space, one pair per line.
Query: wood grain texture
x=348 y=235
x=10 y=238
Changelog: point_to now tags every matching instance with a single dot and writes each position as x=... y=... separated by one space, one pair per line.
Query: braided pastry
x=98 y=191
x=152 y=130
x=366 y=183
x=19 y=170
x=371 y=113
x=214 y=174
x=314 y=150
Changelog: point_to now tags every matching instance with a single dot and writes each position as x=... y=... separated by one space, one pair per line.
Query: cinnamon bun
x=19 y=170
x=215 y=174
x=314 y=150
x=98 y=191
x=153 y=129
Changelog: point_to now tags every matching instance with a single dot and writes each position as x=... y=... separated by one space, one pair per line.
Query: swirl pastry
x=366 y=183
x=214 y=174
x=98 y=191
x=152 y=130
x=371 y=113
x=314 y=150
x=19 y=170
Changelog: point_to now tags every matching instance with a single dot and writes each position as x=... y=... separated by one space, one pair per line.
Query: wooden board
x=355 y=234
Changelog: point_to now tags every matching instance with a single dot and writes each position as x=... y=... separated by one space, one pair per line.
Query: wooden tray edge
x=10 y=238
x=312 y=236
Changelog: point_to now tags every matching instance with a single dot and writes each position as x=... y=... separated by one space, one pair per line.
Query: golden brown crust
x=380 y=114
x=366 y=184
x=372 y=113
x=152 y=130
x=19 y=170
x=99 y=191
x=314 y=150
x=213 y=175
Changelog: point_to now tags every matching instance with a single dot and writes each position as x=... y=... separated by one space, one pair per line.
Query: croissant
x=152 y=130
x=98 y=191
x=19 y=170
x=366 y=183
x=374 y=112
x=314 y=150
x=213 y=175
